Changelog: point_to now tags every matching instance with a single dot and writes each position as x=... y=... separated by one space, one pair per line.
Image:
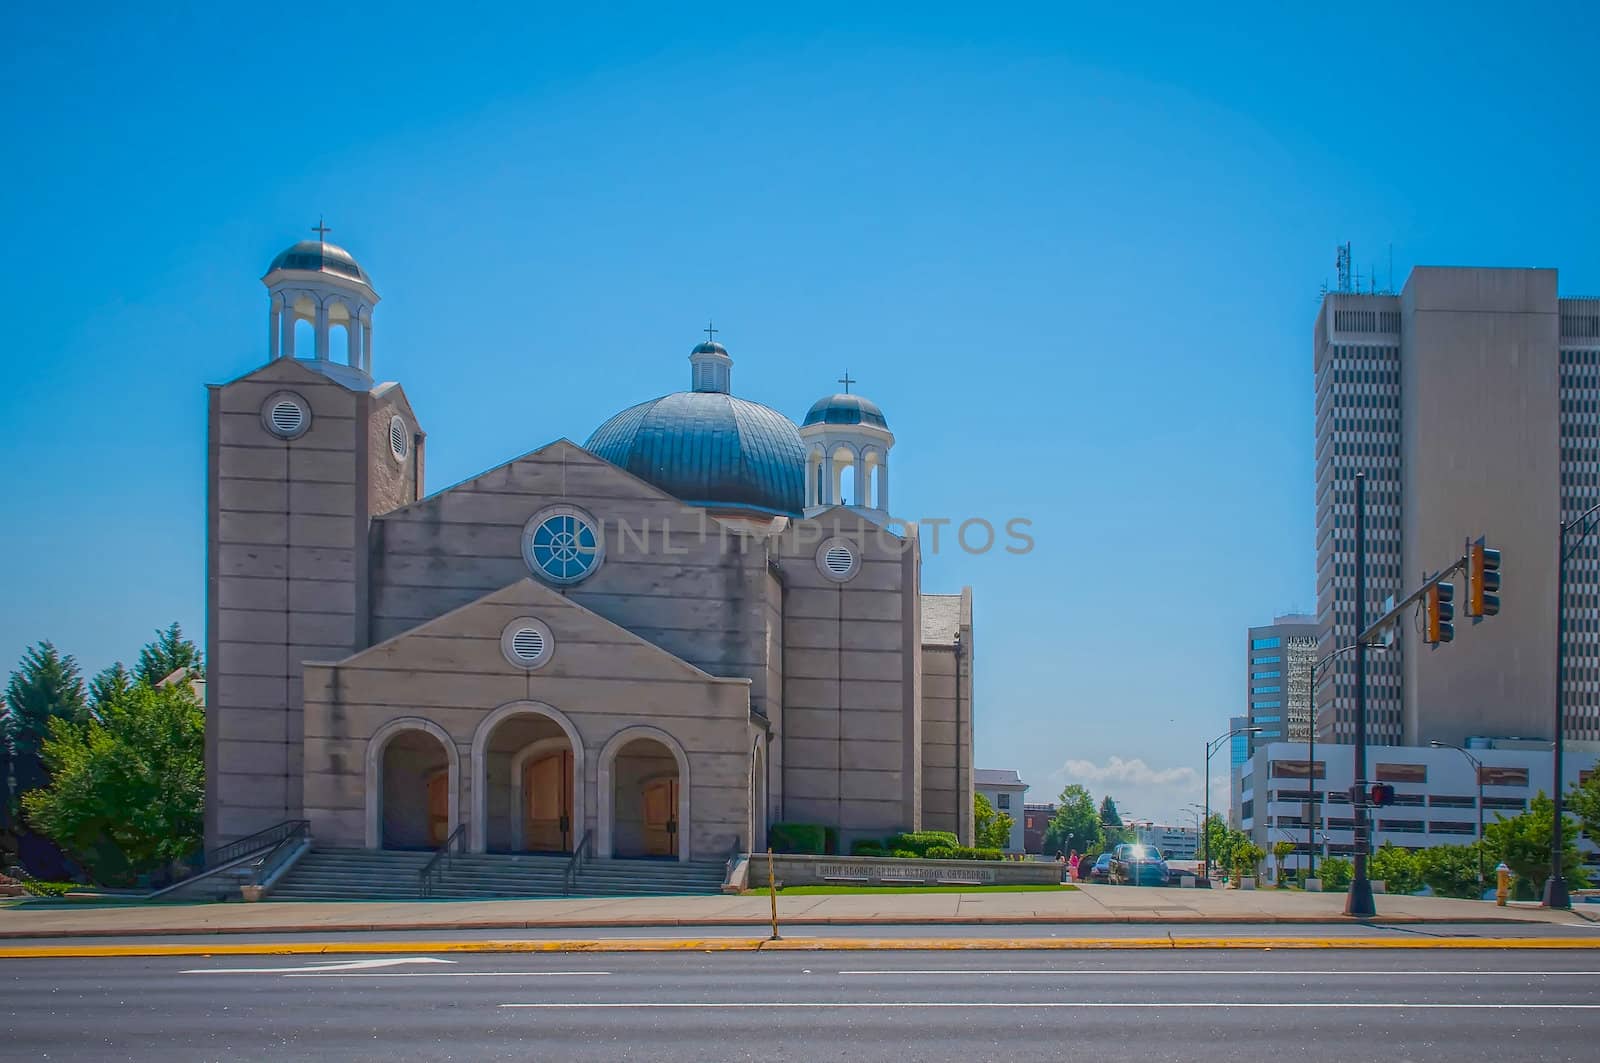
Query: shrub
x=941 y=852
x=1336 y=872
x=830 y=840
x=903 y=854
x=866 y=847
x=1451 y=870
x=920 y=841
x=982 y=854
x=1400 y=869
x=810 y=839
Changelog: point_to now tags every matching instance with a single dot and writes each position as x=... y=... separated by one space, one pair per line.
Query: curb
x=863 y=921
x=614 y=945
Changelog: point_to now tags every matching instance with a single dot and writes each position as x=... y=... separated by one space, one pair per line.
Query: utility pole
x=1359 y=902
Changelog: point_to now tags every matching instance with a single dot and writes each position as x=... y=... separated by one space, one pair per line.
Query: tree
x=1280 y=851
x=108 y=684
x=1213 y=840
x=990 y=829
x=45 y=686
x=1451 y=870
x=1336 y=873
x=126 y=789
x=1584 y=801
x=1075 y=825
x=1109 y=816
x=166 y=654
x=1523 y=844
x=1397 y=867
x=1246 y=858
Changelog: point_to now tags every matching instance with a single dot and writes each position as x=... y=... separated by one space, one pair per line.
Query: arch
x=375 y=749
x=608 y=755
x=814 y=485
x=842 y=465
x=479 y=831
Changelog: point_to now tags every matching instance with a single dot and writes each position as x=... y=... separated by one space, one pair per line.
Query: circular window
x=526 y=642
x=837 y=559
x=562 y=544
x=398 y=439
x=286 y=415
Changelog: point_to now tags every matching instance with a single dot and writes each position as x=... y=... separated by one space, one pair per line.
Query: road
x=1395 y=1006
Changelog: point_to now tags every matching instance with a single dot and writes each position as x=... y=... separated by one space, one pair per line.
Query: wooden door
x=438 y=808
x=661 y=818
x=547 y=782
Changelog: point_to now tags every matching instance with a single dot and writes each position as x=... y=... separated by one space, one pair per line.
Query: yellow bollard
x=1502 y=885
x=772 y=888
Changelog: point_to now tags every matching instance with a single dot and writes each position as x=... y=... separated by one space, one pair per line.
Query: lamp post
x=1211 y=749
x=1555 y=887
x=1477 y=770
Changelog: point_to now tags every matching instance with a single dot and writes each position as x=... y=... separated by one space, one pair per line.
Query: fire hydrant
x=1502 y=885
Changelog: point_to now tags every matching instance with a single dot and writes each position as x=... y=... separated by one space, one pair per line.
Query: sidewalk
x=1088 y=905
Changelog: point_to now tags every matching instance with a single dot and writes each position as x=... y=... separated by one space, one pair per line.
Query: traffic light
x=1382 y=794
x=1438 y=612
x=1483 y=578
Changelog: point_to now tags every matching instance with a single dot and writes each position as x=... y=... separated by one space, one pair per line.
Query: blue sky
x=1074 y=254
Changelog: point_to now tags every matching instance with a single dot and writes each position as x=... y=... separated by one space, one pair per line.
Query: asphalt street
x=1394 y=1006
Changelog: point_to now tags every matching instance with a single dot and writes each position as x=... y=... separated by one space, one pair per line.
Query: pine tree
x=1108 y=813
x=169 y=652
x=108 y=685
x=46 y=685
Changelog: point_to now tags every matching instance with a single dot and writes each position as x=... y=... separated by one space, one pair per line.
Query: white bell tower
x=321 y=282
x=847 y=443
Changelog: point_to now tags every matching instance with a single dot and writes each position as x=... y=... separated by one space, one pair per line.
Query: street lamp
x=1555 y=887
x=1211 y=749
x=1477 y=769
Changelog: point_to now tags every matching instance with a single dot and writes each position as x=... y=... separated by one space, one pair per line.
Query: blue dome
x=709 y=449
x=846 y=409
x=320 y=257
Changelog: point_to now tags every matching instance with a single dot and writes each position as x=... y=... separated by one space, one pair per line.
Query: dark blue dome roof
x=846 y=409
x=709 y=449
x=320 y=257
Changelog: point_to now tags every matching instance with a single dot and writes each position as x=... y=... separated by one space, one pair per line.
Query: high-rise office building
x=1278 y=659
x=1471 y=401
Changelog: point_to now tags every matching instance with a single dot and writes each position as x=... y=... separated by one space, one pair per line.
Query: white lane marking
x=450 y=974
x=340 y=965
x=1140 y=1004
x=1261 y=972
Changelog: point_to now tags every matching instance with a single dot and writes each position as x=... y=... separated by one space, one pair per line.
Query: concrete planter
x=251 y=893
x=1248 y=882
x=1314 y=885
x=800 y=870
x=1380 y=886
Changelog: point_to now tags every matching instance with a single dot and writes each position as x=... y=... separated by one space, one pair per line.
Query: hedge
x=919 y=841
x=810 y=839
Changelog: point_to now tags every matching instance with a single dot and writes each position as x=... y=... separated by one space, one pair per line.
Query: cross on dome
x=321 y=230
x=847 y=380
x=711 y=333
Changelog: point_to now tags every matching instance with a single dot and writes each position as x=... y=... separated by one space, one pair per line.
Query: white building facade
x=1005 y=789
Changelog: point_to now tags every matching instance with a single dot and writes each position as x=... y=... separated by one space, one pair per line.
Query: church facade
x=699 y=623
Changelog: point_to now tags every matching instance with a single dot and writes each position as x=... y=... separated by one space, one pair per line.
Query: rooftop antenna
x=1341 y=262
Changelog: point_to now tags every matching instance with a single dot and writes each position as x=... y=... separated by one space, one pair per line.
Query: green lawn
x=815 y=891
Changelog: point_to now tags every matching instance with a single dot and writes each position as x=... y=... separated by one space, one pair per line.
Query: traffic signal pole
x=1359 y=901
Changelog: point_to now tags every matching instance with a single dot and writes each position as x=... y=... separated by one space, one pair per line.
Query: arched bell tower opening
x=319 y=309
x=847 y=444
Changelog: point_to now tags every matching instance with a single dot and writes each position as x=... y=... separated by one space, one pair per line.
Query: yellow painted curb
x=603 y=945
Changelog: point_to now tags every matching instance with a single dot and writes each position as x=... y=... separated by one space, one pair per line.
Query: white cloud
x=1159 y=793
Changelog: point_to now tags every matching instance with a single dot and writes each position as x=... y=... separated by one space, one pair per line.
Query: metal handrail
x=425 y=876
x=569 y=876
x=269 y=863
x=261 y=839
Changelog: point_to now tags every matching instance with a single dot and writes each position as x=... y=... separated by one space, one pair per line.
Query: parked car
x=1101 y=871
x=1138 y=865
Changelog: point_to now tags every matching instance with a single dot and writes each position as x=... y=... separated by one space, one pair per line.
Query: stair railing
x=275 y=857
x=441 y=856
x=569 y=877
x=261 y=839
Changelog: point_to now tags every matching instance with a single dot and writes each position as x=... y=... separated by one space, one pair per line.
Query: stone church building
x=696 y=624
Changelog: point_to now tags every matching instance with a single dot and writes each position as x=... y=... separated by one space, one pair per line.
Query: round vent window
x=837 y=559
x=398 y=440
x=526 y=643
x=562 y=544
x=286 y=415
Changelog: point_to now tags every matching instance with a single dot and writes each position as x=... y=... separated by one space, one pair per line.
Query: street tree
x=1398 y=868
x=108 y=684
x=1076 y=824
x=1280 y=852
x=990 y=829
x=1584 y=802
x=1523 y=843
x=126 y=788
x=45 y=686
x=1451 y=870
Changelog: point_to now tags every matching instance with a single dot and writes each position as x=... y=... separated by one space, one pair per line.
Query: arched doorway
x=644 y=796
x=412 y=783
x=528 y=774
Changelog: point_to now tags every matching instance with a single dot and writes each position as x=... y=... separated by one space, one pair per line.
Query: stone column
x=273 y=327
x=322 y=331
x=882 y=502
x=352 y=342
x=861 y=482
x=366 y=343
x=286 y=319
